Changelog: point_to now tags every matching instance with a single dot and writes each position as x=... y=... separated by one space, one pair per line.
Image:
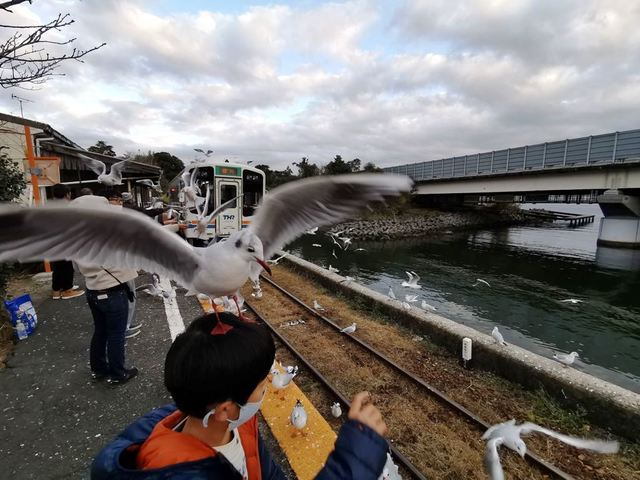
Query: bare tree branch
x=11 y=3
x=24 y=60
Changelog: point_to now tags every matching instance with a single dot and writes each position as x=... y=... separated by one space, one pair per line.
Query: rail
x=596 y=150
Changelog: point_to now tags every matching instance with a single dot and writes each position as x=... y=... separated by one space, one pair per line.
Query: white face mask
x=247 y=411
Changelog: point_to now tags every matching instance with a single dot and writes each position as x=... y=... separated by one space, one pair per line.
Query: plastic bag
x=23 y=315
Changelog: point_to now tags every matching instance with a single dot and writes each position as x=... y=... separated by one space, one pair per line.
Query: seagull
x=312 y=231
x=414 y=278
x=154 y=289
x=149 y=183
x=360 y=250
x=390 y=470
x=350 y=329
x=391 y=294
x=333 y=252
x=281 y=380
x=426 y=306
x=317 y=306
x=509 y=434
x=566 y=359
x=336 y=410
x=95 y=234
x=316 y=245
x=572 y=301
x=406 y=305
x=298 y=416
x=275 y=262
x=479 y=281
x=99 y=168
x=495 y=333
x=411 y=298
x=333 y=270
x=348 y=279
x=336 y=242
x=190 y=189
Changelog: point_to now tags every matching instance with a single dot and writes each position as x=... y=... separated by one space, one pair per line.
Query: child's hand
x=366 y=413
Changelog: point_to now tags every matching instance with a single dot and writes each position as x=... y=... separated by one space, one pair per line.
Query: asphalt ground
x=54 y=418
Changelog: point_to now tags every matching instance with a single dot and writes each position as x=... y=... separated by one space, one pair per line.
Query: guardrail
x=608 y=148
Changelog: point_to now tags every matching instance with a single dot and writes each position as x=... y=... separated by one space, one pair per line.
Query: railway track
x=447 y=408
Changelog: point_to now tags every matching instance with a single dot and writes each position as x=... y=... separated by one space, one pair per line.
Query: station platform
x=54 y=419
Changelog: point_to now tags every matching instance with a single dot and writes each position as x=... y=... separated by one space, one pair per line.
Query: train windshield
x=204 y=181
x=252 y=185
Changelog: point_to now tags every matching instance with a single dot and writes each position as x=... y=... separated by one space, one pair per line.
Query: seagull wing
x=95 y=236
x=602 y=446
x=410 y=276
x=146 y=182
x=492 y=459
x=288 y=211
x=98 y=167
x=116 y=170
x=416 y=276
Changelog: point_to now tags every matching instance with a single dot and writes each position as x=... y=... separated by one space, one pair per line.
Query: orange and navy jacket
x=360 y=453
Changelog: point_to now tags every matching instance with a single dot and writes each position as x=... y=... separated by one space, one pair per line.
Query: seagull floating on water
x=316 y=245
x=497 y=336
x=103 y=235
x=414 y=278
x=114 y=177
x=350 y=329
x=566 y=359
x=479 y=281
x=509 y=434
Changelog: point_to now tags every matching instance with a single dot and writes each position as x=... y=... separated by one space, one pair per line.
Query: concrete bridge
x=599 y=168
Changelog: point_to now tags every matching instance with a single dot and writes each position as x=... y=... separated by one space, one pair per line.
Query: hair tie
x=221 y=328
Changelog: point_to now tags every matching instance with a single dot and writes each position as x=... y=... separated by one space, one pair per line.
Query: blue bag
x=23 y=315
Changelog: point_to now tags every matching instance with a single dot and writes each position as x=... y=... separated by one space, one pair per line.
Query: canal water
x=530 y=271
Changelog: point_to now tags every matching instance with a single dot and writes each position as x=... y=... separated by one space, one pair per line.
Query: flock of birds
x=129 y=239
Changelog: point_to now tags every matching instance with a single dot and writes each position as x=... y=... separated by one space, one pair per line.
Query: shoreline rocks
x=417 y=224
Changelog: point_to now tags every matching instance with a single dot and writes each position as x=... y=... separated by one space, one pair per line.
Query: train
x=216 y=183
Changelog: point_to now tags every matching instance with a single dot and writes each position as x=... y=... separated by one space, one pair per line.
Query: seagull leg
x=240 y=314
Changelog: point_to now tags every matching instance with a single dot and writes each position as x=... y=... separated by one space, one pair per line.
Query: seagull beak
x=264 y=265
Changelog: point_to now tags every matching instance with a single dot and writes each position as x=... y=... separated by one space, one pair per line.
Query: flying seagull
x=479 y=281
x=114 y=177
x=149 y=183
x=414 y=278
x=508 y=434
x=129 y=239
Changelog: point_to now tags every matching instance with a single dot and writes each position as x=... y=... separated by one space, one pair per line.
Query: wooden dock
x=574 y=219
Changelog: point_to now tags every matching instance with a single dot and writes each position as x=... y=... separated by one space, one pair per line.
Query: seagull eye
x=251 y=249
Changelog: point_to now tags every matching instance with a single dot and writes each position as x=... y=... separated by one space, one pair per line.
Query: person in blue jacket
x=217 y=373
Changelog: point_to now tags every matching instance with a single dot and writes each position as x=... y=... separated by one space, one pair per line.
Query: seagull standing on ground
x=336 y=410
x=413 y=280
x=350 y=329
x=426 y=306
x=124 y=238
x=391 y=293
x=566 y=359
x=298 y=416
x=497 y=336
x=114 y=177
x=509 y=434
x=317 y=307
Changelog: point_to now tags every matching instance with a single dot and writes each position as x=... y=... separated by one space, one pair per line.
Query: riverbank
x=393 y=223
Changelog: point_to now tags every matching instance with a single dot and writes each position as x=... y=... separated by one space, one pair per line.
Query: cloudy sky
x=386 y=81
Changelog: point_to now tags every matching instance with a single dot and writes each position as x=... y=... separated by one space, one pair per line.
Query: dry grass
x=435 y=439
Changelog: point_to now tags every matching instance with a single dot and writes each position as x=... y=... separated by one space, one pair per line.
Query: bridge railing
x=616 y=147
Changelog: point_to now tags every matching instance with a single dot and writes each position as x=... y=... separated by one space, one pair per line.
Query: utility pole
x=20 y=99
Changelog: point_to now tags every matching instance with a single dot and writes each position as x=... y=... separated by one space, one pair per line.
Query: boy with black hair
x=216 y=372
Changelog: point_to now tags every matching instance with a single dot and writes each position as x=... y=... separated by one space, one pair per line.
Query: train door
x=230 y=219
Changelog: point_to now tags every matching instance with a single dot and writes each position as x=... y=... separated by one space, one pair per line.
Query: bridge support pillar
x=620 y=226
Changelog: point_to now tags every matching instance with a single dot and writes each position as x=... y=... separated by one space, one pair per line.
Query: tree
x=170 y=164
x=306 y=169
x=354 y=165
x=273 y=178
x=26 y=56
x=103 y=148
x=371 y=167
x=337 y=166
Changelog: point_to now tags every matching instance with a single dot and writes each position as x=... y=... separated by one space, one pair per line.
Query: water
x=530 y=269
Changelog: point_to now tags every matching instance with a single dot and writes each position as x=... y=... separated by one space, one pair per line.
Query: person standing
x=109 y=298
x=62 y=270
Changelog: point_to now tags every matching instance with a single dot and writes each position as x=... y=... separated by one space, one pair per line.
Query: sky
x=389 y=82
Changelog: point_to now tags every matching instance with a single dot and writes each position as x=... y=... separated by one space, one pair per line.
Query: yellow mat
x=306 y=450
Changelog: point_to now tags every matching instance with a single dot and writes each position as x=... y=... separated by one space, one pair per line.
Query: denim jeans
x=110 y=312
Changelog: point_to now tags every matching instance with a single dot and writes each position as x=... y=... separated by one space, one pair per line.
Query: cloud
x=423 y=80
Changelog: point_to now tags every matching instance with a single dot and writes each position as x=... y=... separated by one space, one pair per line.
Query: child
x=216 y=372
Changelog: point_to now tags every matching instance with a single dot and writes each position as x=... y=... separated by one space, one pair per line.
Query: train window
x=253 y=187
x=228 y=192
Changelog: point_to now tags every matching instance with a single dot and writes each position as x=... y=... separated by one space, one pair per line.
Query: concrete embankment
x=417 y=222
x=606 y=404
